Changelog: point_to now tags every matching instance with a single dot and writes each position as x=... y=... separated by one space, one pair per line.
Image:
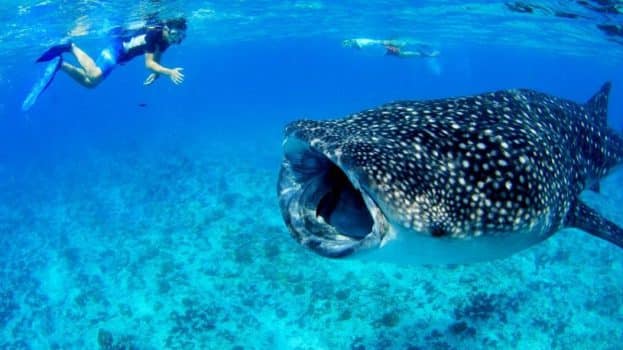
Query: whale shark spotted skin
x=451 y=180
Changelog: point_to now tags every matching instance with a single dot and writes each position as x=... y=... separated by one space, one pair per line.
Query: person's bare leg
x=80 y=75
x=90 y=68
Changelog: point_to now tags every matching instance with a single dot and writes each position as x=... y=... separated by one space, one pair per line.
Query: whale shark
x=451 y=180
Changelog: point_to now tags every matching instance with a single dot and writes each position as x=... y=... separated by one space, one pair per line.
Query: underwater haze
x=146 y=217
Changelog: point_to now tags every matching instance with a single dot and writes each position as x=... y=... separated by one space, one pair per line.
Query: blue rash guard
x=123 y=49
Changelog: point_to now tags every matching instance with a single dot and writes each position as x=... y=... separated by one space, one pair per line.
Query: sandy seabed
x=177 y=248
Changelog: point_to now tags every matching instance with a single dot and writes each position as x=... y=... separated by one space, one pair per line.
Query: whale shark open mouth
x=324 y=208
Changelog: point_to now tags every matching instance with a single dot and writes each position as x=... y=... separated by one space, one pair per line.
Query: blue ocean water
x=137 y=217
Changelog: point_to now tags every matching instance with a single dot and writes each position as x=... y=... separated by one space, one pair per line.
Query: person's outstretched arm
x=151 y=63
x=153 y=76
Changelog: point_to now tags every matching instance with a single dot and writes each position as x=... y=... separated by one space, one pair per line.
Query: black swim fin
x=57 y=67
x=54 y=51
x=43 y=82
x=583 y=217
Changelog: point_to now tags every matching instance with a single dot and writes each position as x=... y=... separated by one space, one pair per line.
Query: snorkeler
x=152 y=41
x=396 y=48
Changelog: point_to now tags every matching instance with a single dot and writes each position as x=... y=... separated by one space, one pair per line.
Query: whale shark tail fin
x=597 y=105
x=585 y=218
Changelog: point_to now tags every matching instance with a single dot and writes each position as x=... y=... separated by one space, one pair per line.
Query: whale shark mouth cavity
x=324 y=208
x=342 y=206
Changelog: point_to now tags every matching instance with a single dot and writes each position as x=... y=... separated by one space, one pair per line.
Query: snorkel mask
x=176 y=35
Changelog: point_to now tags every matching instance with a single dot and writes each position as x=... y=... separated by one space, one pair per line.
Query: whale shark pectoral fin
x=585 y=218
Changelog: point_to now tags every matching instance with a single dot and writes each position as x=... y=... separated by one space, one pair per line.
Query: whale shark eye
x=438 y=231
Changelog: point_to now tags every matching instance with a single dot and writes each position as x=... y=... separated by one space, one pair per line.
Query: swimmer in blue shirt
x=151 y=41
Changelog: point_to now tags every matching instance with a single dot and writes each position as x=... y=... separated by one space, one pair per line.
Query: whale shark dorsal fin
x=598 y=105
x=585 y=218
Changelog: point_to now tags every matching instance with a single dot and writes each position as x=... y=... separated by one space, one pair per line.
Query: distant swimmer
x=151 y=41
x=398 y=48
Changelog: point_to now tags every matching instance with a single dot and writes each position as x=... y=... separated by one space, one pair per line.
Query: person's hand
x=151 y=78
x=176 y=75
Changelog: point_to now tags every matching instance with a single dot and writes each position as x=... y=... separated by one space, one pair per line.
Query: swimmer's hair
x=176 y=23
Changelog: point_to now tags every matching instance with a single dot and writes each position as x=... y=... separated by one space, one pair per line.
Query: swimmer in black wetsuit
x=151 y=41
